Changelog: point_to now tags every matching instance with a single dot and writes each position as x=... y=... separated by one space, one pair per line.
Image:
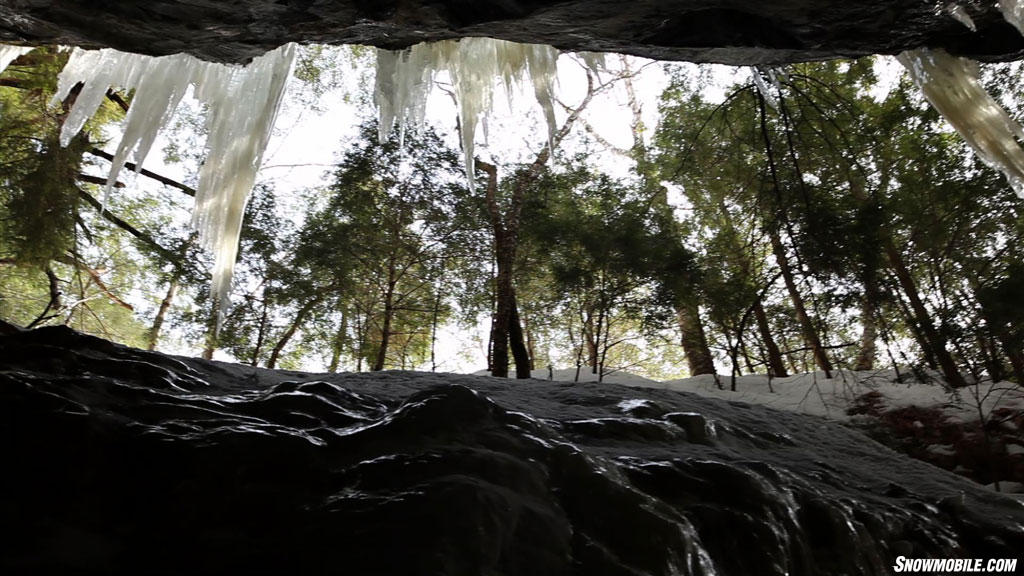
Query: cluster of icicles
x=242 y=103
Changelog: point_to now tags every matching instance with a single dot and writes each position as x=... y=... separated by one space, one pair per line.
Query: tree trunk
x=776 y=365
x=300 y=316
x=694 y=340
x=528 y=336
x=389 y=312
x=810 y=334
x=869 y=323
x=338 y=344
x=519 y=351
x=261 y=334
x=807 y=328
x=506 y=235
x=161 y=313
x=212 y=330
x=1016 y=357
x=435 y=313
x=936 y=341
x=589 y=339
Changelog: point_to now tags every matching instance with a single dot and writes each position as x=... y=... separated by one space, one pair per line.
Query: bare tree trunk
x=435 y=313
x=694 y=340
x=595 y=365
x=261 y=335
x=210 y=346
x=519 y=351
x=869 y=323
x=1016 y=357
x=300 y=316
x=338 y=344
x=776 y=365
x=506 y=232
x=505 y=225
x=530 y=344
x=389 y=313
x=810 y=334
x=807 y=328
x=935 y=339
x=161 y=313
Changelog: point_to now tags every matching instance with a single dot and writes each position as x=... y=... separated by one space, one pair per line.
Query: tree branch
x=74 y=260
x=144 y=238
x=98 y=181
x=116 y=99
x=161 y=179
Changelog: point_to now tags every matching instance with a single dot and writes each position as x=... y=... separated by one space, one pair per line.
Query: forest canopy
x=817 y=216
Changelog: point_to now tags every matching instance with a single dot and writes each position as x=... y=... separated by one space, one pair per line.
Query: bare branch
x=147 y=173
x=144 y=238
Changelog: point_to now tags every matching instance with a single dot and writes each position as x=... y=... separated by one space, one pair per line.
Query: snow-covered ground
x=927 y=420
x=832 y=398
x=817 y=395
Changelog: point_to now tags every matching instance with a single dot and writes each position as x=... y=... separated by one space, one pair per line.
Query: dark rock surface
x=118 y=461
x=724 y=31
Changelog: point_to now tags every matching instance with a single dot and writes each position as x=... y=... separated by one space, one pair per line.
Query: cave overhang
x=737 y=32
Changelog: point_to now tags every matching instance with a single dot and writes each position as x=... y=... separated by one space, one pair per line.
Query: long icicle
x=242 y=104
x=405 y=78
x=951 y=85
x=10 y=53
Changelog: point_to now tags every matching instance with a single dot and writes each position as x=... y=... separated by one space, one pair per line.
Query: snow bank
x=816 y=395
x=831 y=397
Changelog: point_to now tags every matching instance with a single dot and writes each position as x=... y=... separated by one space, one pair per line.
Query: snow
x=8 y=54
x=242 y=104
x=951 y=85
x=405 y=79
x=814 y=394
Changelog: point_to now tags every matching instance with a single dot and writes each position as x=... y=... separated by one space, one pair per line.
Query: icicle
x=958 y=13
x=951 y=85
x=404 y=80
x=757 y=73
x=1013 y=11
x=9 y=53
x=242 y=104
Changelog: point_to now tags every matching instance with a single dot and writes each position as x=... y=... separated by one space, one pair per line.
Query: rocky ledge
x=118 y=461
x=736 y=32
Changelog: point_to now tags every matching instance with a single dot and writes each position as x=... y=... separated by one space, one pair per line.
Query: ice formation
x=958 y=13
x=757 y=73
x=1013 y=11
x=952 y=86
x=405 y=78
x=241 y=102
x=8 y=53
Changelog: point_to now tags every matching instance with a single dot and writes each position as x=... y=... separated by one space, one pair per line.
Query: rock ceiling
x=739 y=32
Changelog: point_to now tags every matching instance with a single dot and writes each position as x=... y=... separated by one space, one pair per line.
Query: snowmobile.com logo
x=954 y=565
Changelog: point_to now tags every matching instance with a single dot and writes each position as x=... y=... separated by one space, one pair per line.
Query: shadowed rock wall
x=726 y=31
x=119 y=461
